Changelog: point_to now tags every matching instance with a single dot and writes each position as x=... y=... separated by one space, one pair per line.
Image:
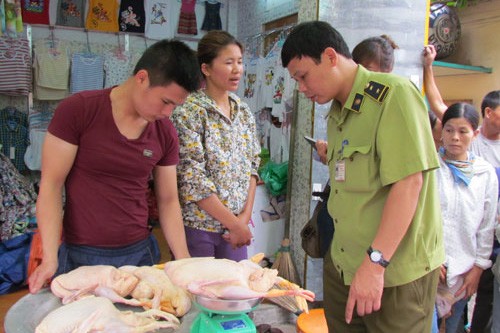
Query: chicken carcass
x=98 y=314
x=156 y=288
x=228 y=279
x=101 y=280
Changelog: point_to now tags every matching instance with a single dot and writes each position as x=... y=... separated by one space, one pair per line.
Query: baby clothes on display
x=251 y=84
x=159 y=24
x=15 y=66
x=13 y=17
x=102 y=15
x=70 y=13
x=38 y=123
x=51 y=70
x=2 y=17
x=14 y=135
x=212 y=19
x=87 y=72
x=282 y=90
x=35 y=11
x=132 y=16
x=187 y=18
x=116 y=67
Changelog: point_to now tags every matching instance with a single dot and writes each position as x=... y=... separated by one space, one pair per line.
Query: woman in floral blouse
x=219 y=154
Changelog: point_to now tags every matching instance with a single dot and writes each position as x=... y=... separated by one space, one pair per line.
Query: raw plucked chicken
x=228 y=279
x=98 y=314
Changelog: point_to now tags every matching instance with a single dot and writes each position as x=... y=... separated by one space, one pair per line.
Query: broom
x=286 y=269
x=284 y=264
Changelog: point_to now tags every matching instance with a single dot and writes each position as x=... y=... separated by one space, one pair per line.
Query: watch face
x=375 y=256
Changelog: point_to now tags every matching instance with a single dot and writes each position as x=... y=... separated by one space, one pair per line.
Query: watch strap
x=382 y=262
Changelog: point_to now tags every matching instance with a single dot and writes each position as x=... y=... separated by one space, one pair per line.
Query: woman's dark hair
x=212 y=43
x=462 y=110
x=168 y=61
x=378 y=49
x=491 y=100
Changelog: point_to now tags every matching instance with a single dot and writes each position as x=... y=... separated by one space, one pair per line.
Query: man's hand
x=41 y=276
x=322 y=149
x=366 y=290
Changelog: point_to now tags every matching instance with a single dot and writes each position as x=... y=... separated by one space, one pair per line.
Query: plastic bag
x=275 y=176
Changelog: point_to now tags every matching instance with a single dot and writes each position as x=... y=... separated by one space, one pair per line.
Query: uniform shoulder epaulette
x=376 y=90
x=356 y=103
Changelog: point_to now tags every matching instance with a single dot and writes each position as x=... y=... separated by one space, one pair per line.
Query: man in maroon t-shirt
x=101 y=148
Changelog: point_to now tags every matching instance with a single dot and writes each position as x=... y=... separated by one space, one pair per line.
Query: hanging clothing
x=158 y=20
x=15 y=66
x=102 y=15
x=35 y=11
x=38 y=123
x=2 y=17
x=132 y=16
x=51 y=70
x=187 y=18
x=87 y=72
x=70 y=13
x=212 y=19
x=14 y=136
x=13 y=18
x=116 y=66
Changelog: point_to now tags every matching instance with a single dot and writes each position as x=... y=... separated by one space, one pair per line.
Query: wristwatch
x=377 y=257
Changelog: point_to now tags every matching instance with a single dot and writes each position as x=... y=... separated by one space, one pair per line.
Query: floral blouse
x=217 y=155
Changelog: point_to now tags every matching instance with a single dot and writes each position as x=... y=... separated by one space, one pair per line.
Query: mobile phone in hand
x=312 y=141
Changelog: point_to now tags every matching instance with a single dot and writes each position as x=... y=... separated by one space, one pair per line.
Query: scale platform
x=224 y=316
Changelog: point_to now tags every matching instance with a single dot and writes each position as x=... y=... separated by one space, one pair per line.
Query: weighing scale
x=224 y=316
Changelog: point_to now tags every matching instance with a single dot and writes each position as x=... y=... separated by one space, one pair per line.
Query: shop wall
x=252 y=14
x=479 y=46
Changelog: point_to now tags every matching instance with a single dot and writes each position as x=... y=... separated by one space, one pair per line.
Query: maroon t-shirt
x=106 y=202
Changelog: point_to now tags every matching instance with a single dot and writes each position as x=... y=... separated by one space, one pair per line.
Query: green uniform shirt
x=380 y=136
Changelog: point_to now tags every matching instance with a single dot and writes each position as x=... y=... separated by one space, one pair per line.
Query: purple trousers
x=211 y=244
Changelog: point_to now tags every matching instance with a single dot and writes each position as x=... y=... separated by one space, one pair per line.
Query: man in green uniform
x=382 y=271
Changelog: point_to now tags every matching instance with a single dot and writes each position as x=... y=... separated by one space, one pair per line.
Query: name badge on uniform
x=340 y=171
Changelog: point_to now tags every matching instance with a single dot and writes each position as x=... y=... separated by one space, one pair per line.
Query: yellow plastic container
x=312 y=322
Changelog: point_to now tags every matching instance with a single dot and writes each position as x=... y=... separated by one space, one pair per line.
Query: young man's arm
x=58 y=157
x=368 y=283
x=169 y=210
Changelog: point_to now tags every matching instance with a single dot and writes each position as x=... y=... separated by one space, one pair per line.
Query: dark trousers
x=481 y=317
x=142 y=253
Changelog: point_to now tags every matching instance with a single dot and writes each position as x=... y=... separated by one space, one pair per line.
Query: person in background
x=219 y=154
x=468 y=188
x=487 y=145
x=101 y=148
x=375 y=54
x=495 y=327
x=388 y=230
